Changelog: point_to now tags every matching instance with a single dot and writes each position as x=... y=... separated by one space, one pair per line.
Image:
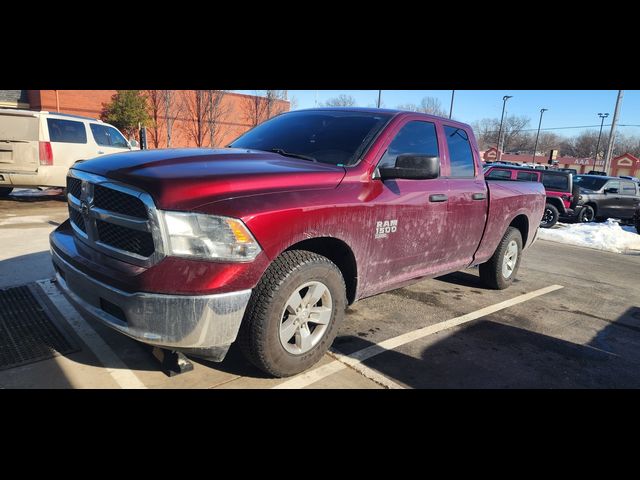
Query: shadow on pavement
x=487 y=354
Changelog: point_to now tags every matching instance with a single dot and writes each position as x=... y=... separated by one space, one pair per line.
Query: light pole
x=379 y=97
x=504 y=106
x=602 y=117
x=453 y=94
x=535 y=148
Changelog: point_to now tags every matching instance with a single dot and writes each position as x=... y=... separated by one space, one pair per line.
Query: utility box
x=553 y=155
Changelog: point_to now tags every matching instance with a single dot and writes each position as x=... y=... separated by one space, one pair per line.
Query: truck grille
x=113 y=218
x=118 y=202
x=140 y=243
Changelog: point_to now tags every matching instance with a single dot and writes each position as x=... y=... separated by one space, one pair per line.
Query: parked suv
x=38 y=148
x=603 y=197
x=561 y=195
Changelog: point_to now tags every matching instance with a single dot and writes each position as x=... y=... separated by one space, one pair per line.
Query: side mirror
x=413 y=167
x=611 y=190
x=133 y=143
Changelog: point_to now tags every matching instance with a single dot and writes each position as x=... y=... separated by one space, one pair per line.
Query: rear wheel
x=550 y=217
x=5 y=191
x=294 y=313
x=498 y=273
x=587 y=214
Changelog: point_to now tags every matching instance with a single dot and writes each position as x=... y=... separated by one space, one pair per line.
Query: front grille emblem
x=85 y=207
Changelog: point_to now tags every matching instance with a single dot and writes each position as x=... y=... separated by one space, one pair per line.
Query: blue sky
x=567 y=108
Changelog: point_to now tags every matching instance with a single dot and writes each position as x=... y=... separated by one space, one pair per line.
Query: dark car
x=603 y=197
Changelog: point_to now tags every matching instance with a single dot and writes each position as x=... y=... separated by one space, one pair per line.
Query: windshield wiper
x=294 y=155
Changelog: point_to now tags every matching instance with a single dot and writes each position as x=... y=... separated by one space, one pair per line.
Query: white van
x=37 y=148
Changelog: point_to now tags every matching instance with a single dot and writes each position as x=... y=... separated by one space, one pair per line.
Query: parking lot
x=571 y=320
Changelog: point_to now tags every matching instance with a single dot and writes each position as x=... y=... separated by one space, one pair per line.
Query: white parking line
x=117 y=369
x=356 y=358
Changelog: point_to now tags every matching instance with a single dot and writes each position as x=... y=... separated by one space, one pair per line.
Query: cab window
x=415 y=137
x=499 y=174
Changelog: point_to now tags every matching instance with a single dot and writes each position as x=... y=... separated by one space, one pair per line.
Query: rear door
x=108 y=139
x=629 y=198
x=19 y=146
x=468 y=200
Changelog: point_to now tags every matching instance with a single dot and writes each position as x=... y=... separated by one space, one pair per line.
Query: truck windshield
x=328 y=136
x=590 y=183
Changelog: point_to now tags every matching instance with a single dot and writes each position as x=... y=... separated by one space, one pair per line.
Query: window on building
x=415 y=137
x=499 y=174
x=460 y=153
x=66 y=131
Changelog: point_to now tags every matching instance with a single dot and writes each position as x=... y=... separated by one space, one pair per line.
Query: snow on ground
x=608 y=236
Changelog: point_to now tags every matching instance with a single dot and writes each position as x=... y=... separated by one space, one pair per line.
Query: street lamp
x=453 y=94
x=535 y=148
x=602 y=117
x=379 y=97
x=504 y=106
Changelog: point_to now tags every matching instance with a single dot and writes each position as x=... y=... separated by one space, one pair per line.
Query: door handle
x=479 y=196
x=438 y=198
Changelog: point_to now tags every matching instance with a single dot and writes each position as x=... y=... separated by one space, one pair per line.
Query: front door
x=108 y=140
x=410 y=221
x=610 y=205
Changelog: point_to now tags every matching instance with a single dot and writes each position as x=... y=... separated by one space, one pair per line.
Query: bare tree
x=275 y=103
x=513 y=137
x=429 y=105
x=197 y=112
x=173 y=106
x=341 y=100
x=216 y=111
x=155 y=101
x=254 y=109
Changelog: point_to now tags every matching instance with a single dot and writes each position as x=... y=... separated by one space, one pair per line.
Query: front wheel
x=586 y=214
x=498 y=273
x=294 y=313
x=550 y=217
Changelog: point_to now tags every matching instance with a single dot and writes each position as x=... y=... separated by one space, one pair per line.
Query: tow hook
x=171 y=363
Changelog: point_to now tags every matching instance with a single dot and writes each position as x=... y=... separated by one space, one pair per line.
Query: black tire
x=637 y=222
x=5 y=191
x=491 y=272
x=550 y=216
x=600 y=219
x=587 y=214
x=259 y=336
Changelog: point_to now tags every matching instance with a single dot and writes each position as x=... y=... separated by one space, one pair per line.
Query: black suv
x=603 y=197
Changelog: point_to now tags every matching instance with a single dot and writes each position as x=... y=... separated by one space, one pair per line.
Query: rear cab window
x=460 y=154
x=66 y=131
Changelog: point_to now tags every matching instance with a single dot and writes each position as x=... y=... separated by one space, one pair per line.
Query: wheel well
x=521 y=222
x=592 y=205
x=339 y=253
x=556 y=202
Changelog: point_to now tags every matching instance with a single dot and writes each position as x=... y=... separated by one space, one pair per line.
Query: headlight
x=208 y=237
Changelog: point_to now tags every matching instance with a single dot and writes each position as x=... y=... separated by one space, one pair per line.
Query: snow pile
x=608 y=236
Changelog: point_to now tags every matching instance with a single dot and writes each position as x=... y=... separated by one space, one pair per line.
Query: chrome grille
x=113 y=218
x=115 y=201
x=140 y=243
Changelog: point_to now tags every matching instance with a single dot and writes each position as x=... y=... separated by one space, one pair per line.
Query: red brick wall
x=89 y=103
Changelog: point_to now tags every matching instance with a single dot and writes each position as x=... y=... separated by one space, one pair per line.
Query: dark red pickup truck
x=268 y=240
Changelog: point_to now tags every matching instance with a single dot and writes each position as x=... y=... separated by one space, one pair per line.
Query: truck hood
x=184 y=179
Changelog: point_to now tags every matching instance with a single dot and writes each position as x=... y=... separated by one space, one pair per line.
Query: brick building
x=89 y=103
x=626 y=164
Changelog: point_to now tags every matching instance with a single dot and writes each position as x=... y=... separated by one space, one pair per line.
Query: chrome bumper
x=201 y=325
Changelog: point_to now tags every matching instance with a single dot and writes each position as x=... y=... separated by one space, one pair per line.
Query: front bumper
x=204 y=325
